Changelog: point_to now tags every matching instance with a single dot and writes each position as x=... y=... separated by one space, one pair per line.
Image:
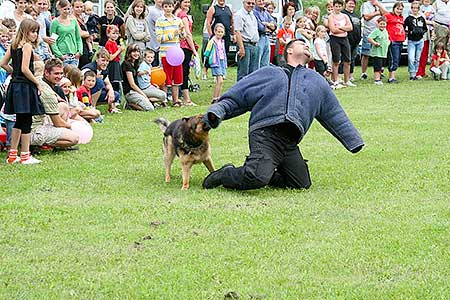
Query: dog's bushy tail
x=162 y=123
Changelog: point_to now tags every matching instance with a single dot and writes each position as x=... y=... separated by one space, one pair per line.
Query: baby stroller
x=193 y=87
x=196 y=70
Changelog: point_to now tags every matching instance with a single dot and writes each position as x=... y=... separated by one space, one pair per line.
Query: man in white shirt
x=247 y=37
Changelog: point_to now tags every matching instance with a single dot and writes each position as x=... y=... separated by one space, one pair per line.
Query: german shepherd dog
x=188 y=139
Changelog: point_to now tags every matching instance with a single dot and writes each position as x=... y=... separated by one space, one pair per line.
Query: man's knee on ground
x=68 y=137
x=255 y=180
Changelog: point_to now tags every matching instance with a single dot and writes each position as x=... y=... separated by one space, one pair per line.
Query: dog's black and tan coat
x=188 y=138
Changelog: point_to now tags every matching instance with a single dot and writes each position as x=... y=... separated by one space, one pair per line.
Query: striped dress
x=165 y=33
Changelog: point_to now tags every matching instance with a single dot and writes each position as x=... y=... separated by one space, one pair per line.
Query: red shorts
x=174 y=75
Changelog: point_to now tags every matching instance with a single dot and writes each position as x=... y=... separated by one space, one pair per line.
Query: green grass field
x=100 y=223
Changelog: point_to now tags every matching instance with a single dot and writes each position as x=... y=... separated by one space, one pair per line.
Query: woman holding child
x=135 y=97
x=78 y=9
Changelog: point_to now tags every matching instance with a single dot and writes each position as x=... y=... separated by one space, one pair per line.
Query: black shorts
x=320 y=66
x=378 y=63
x=340 y=49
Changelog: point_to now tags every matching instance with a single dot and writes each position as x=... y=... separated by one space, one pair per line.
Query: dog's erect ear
x=186 y=119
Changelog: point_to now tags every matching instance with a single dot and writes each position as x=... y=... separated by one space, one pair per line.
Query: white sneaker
x=349 y=83
x=338 y=86
x=31 y=161
x=204 y=77
x=379 y=82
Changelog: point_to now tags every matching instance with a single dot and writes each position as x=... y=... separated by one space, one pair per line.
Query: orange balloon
x=158 y=76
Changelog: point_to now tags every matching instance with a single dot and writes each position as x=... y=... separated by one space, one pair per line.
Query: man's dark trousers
x=274 y=160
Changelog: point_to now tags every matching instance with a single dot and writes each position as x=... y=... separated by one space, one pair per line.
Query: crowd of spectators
x=87 y=60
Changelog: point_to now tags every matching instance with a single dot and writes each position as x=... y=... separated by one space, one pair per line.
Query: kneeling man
x=50 y=129
x=283 y=103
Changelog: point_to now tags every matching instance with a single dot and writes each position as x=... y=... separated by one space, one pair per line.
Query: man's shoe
x=363 y=76
x=213 y=180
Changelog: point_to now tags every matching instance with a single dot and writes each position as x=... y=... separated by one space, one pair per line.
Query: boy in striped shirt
x=169 y=29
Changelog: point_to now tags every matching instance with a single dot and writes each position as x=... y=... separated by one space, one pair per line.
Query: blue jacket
x=270 y=99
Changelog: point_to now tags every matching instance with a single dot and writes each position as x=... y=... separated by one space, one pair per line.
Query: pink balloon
x=175 y=56
x=84 y=130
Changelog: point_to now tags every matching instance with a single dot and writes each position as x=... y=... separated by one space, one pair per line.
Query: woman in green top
x=68 y=46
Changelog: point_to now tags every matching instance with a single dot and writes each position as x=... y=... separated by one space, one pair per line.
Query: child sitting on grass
x=70 y=97
x=85 y=98
x=154 y=94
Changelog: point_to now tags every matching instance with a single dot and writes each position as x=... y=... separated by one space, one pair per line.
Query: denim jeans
x=394 y=55
x=249 y=62
x=414 y=51
x=71 y=61
x=263 y=51
x=9 y=127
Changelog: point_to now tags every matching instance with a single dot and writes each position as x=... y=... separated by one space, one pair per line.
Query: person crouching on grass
x=217 y=58
x=440 y=62
x=144 y=80
x=85 y=97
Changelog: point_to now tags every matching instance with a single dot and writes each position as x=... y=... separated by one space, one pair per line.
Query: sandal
x=177 y=104
x=190 y=103
x=114 y=111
